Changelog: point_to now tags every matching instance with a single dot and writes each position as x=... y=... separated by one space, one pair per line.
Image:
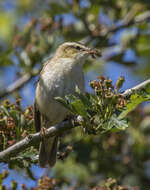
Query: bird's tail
x=48 y=152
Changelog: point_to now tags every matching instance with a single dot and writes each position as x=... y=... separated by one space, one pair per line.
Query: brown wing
x=37 y=115
x=37 y=118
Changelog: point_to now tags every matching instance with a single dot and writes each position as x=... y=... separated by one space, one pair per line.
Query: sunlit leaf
x=79 y=108
x=83 y=97
x=136 y=98
x=63 y=102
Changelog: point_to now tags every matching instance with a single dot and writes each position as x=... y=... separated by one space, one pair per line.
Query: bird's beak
x=93 y=52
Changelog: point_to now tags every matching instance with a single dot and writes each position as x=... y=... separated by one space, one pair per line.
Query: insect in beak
x=94 y=53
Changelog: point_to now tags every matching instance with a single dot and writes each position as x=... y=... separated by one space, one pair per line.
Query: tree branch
x=32 y=139
x=140 y=86
x=138 y=19
x=27 y=77
x=18 y=84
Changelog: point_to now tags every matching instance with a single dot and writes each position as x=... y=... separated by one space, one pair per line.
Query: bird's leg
x=42 y=149
x=43 y=131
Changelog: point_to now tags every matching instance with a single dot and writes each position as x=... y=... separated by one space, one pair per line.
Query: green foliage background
x=30 y=31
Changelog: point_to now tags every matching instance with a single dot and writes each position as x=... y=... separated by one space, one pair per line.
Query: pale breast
x=55 y=82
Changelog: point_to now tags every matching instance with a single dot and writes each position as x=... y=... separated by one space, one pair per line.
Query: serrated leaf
x=121 y=124
x=70 y=98
x=115 y=123
x=135 y=99
x=83 y=97
x=79 y=107
x=63 y=102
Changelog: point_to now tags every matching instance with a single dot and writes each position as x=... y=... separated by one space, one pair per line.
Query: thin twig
x=138 y=19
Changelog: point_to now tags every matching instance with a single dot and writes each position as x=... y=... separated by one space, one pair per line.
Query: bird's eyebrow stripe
x=77 y=46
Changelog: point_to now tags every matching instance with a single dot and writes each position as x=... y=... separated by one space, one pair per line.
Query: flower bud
x=14 y=185
x=108 y=83
x=114 y=99
x=120 y=82
x=94 y=84
x=101 y=78
x=109 y=96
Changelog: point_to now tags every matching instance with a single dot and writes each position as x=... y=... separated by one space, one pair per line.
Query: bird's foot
x=43 y=132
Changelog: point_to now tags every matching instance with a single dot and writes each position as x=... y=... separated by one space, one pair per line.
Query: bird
x=58 y=78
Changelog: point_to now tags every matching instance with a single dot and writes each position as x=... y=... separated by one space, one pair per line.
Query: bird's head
x=75 y=51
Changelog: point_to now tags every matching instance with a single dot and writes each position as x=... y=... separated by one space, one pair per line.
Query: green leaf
x=121 y=124
x=5 y=110
x=63 y=102
x=114 y=121
x=79 y=107
x=5 y=58
x=70 y=98
x=135 y=99
x=58 y=8
x=85 y=98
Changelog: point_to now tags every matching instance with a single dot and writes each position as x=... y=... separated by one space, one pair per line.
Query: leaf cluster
x=98 y=112
x=47 y=183
x=15 y=123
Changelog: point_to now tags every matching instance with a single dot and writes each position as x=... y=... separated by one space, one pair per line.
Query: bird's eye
x=78 y=48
